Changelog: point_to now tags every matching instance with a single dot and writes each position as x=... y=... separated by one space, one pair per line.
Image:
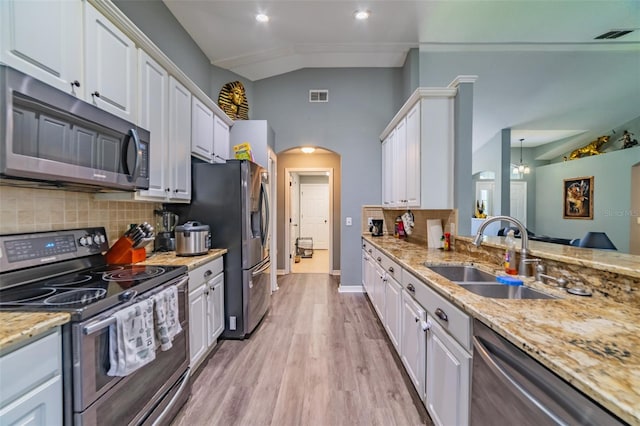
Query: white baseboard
x=350 y=289
x=280 y=272
x=336 y=272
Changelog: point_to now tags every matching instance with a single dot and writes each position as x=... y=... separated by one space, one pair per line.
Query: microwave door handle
x=133 y=134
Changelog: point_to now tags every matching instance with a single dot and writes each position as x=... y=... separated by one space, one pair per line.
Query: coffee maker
x=376 y=228
x=166 y=222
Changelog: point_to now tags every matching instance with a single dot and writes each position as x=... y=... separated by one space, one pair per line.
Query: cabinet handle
x=75 y=83
x=440 y=314
x=167 y=190
x=370 y=251
x=411 y=288
x=379 y=259
x=175 y=190
x=208 y=273
x=391 y=269
x=96 y=94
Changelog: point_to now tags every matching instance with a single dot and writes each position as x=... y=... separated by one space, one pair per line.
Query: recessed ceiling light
x=307 y=149
x=361 y=15
x=261 y=17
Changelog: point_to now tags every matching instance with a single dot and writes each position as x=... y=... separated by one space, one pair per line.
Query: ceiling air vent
x=613 y=34
x=317 y=95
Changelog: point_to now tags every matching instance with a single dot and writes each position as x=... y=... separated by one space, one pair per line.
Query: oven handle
x=110 y=320
x=167 y=409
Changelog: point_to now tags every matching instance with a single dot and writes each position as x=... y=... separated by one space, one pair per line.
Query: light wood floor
x=319 y=358
x=317 y=263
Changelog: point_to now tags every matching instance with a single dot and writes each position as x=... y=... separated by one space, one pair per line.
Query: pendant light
x=521 y=168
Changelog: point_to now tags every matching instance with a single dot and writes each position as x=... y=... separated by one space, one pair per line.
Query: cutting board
x=434 y=233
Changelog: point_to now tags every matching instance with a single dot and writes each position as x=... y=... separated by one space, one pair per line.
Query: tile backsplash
x=28 y=210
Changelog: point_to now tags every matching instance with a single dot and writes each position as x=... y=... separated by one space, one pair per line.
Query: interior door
x=314 y=213
x=519 y=201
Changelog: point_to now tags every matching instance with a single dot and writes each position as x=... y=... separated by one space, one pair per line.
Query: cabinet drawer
x=371 y=250
x=457 y=323
x=27 y=367
x=390 y=267
x=205 y=272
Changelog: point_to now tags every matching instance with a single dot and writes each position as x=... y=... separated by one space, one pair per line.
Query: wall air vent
x=613 y=34
x=317 y=95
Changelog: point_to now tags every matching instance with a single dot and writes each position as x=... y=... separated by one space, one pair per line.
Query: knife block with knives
x=130 y=247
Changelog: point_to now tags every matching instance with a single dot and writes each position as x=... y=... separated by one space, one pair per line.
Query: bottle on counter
x=510 y=266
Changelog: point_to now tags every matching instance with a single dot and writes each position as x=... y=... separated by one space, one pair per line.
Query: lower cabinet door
x=412 y=342
x=215 y=309
x=392 y=308
x=41 y=406
x=448 y=378
x=197 y=324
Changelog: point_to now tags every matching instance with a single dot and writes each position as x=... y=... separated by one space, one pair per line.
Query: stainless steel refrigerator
x=232 y=199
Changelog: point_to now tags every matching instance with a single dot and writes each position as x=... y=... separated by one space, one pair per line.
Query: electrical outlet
x=369 y=221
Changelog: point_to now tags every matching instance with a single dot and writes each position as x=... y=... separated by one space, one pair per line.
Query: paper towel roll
x=434 y=233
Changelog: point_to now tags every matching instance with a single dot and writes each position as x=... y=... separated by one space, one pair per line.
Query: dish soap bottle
x=510 y=254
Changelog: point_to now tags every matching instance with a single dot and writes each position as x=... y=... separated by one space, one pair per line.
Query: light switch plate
x=348 y=221
x=369 y=221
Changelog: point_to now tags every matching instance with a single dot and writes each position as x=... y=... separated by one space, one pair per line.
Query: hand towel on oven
x=167 y=320
x=131 y=340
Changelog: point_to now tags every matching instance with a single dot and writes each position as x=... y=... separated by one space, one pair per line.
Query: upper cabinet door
x=201 y=130
x=153 y=98
x=221 y=146
x=111 y=66
x=44 y=39
x=413 y=157
x=179 y=140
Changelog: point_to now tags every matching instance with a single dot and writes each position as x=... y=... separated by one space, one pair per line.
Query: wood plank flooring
x=319 y=358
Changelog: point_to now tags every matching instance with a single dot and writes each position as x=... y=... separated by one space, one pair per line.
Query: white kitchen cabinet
x=418 y=160
x=179 y=141
x=448 y=378
x=206 y=309
x=201 y=130
x=153 y=98
x=412 y=149
x=221 y=140
x=110 y=63
x=378 y=291
x=44 y=39
x=32 y=383
x=413 y=344
x=392 y=309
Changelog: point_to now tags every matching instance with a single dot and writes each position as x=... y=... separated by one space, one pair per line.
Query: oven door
x=102 y=399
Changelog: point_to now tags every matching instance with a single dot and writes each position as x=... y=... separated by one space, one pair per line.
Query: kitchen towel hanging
x=166 y=313
x=132 y=339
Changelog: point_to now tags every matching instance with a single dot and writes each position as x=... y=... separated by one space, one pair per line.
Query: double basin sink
x=484 y=284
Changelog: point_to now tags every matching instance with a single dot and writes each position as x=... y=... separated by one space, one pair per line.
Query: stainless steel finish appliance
x=510 y=387
x=52 y=136
x=376 y=227
x=166 y=222
x=192 y=239
x=65 y=271
x=232 y=198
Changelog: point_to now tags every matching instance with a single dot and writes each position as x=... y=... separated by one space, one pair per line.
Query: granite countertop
x=18 y=327
x=591 y=342
x=191 y=262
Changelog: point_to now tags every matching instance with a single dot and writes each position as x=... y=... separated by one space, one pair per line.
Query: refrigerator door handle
x=266 y=265
x=265 y=199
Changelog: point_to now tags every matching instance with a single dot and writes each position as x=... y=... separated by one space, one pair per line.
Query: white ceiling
x=324 y=33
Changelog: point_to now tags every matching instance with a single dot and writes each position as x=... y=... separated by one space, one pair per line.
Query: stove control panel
x=39 y=248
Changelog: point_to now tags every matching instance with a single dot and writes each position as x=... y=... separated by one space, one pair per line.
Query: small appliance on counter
x=376 y=228
x=192 y=239
x=166 y=222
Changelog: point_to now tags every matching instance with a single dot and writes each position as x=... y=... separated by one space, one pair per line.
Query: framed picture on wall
x=578 y=198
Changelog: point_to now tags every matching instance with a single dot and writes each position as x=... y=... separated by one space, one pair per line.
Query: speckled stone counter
x=191 y=262
x=592 y=342
x=18 y=327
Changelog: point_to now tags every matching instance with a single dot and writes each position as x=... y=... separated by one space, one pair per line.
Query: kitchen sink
x=462 y=273
x=502 y=291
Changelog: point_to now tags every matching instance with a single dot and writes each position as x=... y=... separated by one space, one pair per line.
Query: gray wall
x=611 y=198
x=361 y=103
x=410 y=73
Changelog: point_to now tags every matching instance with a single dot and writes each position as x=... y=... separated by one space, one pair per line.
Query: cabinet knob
x=75 y=83
x=411 y=288
x=96 y=94
x=208 y=273
x=175 y=190
x=391 y=269
x=168 y=190
x=379 y=259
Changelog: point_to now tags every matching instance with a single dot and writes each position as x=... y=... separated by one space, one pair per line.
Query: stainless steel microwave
x=52 y=136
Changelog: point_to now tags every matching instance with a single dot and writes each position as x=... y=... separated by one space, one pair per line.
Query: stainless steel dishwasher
x=508 y=387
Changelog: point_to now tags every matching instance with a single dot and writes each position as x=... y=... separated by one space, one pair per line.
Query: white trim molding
x=350 y=289
x=463 y=79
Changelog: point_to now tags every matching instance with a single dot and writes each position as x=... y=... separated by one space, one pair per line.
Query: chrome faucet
x=524 y=249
